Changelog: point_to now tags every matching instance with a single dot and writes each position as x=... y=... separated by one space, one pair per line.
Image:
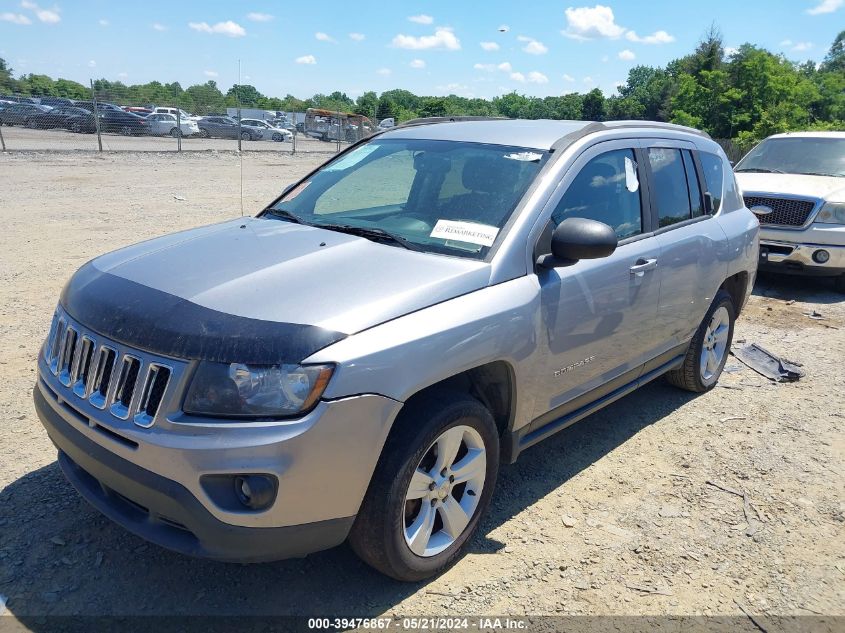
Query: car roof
x=534 y=133
x=809 y=135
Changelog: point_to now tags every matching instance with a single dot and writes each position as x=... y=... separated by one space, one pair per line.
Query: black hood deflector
x=161 y=323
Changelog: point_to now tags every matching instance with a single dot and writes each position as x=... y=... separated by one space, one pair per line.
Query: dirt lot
x=613 y=516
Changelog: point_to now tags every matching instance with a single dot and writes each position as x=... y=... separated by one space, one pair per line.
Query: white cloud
x=588 y=80
x=627 y=55
x=122 y=75
x=49 y=16
x=533 y=47
x=802 y=46
x=587 y=23
x=92 y=64
x=598 y=22
x=489 y=46
x=103 y=22
x=421 y=19
x=536 y=77
x=259 y=17
x=504 y=28
x=210 y=73
x=456 y=89
x=731 y=50
x=443 y=38
x=505 y=67
x=324 y=37
x=384 y=72
x=786 y=43
x=306 y=59
x=227 y=28
x=15 y=18
x=825 y=6
x=658 y=37
x=417 y=63
x=568 y=77
x=518 y=77
x=358 y=37
x=159 y=27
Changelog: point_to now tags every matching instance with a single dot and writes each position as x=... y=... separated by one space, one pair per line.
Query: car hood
x=237 y=274
x=830 y=188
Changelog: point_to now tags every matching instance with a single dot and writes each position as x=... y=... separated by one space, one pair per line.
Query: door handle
x=642 y=265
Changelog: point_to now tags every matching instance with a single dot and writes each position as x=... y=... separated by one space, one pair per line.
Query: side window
x=713 y=176
x=606 y=189
x=670 y=185
x=695 y=200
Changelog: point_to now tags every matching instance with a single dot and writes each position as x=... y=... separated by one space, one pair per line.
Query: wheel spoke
x=472 y=466
x=703 y=364
x=447 y=447
x=712 y=361
x=454 y=517
x=419 y=533
x=420 y=485
x=721 y=333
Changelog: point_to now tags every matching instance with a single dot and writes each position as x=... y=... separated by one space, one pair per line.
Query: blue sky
x=471 y=48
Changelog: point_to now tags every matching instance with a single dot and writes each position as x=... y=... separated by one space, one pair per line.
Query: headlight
x=255 y=391
x=832 y=213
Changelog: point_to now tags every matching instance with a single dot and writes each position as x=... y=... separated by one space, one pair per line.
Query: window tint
x=604 y=191
x=670 y=185
x=713 y=176
x=695 y=202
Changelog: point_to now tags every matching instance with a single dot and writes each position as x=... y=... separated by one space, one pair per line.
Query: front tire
x=709 y=348
x=432 y=484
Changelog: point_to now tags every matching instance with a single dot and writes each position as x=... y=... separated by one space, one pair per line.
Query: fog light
x=256 y=492
x=821 y=256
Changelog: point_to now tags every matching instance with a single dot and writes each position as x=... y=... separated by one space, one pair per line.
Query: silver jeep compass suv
x=357 y=360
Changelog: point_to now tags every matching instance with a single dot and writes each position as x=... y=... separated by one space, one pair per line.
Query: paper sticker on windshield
x=631 y=181
x=469 y=232
x=352 y=158
x=290 y=195
x=526 y=157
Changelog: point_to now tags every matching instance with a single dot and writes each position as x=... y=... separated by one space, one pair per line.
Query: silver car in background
x=167 y=125
x=359 y=359
x=266 y=131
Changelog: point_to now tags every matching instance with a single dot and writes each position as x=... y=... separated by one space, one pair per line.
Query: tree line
x=744 y=94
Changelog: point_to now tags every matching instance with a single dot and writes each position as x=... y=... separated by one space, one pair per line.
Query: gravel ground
x=628 y=512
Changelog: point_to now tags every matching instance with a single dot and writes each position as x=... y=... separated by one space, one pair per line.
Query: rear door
x=693 y=263
x=598 y=315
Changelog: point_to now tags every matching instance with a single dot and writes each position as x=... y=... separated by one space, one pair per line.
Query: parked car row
x=160 y=121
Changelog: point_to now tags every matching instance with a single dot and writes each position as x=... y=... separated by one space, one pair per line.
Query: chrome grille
x=121 y=383
x=785 y=211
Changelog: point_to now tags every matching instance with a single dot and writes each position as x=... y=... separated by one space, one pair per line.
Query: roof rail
x=655 y=125
x=449 y=119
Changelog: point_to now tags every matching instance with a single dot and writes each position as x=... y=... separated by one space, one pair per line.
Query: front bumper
x=792 y=258
x=150 y=480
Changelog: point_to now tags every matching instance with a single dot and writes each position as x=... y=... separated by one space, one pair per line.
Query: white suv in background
x=795 y=184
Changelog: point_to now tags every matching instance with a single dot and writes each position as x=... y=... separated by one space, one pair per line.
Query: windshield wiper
x=762 y=170
x=286 y=215
x=372 y=233
x=820 y=173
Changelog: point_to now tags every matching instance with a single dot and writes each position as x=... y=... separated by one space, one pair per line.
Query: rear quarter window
x=713 y=176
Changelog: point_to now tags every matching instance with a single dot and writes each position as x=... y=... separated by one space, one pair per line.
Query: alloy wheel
x=445 y=490
x=715 y=344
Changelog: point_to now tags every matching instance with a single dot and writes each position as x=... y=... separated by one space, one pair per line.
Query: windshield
x=797 y=155
x=439 y=196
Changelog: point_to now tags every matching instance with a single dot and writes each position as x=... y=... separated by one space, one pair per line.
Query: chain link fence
x=58 y=123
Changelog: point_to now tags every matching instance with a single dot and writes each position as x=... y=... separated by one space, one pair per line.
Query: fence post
x=2 y=140
x=295 y=134
x=96 y=116
x=239 y=128
x=178 y=129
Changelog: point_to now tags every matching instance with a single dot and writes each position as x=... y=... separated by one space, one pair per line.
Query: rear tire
x=246 y=136
x=708 y=351
x=204 y=133
x=175 y=132
x=395 y=514
x=839 y=284
x=126 y=130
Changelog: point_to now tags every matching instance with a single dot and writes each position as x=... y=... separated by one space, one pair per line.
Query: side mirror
x=579 y=238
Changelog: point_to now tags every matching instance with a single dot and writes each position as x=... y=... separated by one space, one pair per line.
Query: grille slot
x=785 y=211
x=102 y=376
x=124 y=390
x=123 y=383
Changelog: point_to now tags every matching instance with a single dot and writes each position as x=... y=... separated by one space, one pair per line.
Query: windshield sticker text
x=470 y=232
x=526 y=157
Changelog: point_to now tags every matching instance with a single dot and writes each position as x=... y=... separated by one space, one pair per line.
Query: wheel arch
x=737 y=287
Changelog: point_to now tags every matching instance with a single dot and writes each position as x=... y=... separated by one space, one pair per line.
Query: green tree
x=593 y=106
x=244 y=94
x=367 y=104
x=834 y=61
